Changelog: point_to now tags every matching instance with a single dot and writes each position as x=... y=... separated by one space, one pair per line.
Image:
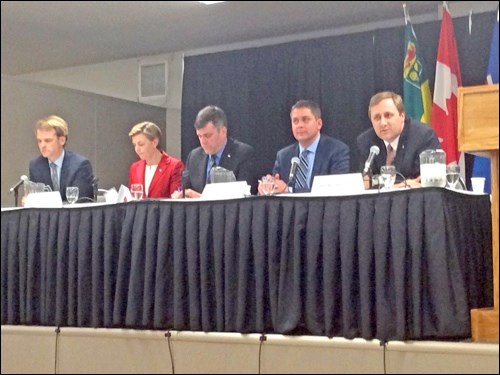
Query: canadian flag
x=448 y=78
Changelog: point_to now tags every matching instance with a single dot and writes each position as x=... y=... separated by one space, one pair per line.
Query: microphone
x=374 y=151
x=19 y=183
x=293 y=170
x=186 y=182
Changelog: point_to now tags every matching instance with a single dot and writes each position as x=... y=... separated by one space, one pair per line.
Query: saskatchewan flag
x=416 y=92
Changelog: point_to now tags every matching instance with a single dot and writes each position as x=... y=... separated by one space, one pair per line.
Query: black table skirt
x=393 y=266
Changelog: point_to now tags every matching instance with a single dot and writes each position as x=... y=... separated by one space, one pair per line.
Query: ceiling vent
x=153 y=82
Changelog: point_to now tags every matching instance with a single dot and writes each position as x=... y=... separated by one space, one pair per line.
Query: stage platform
x=53 y=350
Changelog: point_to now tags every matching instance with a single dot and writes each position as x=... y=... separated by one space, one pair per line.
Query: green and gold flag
x=416 y=91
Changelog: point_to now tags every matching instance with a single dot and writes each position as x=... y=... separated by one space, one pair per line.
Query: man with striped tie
x=313 y=154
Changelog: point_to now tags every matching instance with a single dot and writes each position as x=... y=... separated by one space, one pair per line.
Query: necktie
x=53 y=176
x=390 y=155
x=302 y=171
x=213 y=164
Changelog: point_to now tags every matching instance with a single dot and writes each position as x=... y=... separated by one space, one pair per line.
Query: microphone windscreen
x=374 y=150
x=293 y=168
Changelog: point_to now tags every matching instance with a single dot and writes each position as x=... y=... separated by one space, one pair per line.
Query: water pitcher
x=433 y=168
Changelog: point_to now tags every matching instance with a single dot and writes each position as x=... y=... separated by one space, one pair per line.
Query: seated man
x=217 y=150
x=318 y=154
x=56 y=166
x=400 y=139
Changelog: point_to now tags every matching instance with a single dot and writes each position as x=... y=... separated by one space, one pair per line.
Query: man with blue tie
x=314 y=153
x=217 y=150
x=56 y=166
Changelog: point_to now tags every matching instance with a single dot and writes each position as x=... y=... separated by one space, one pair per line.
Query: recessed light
x=211 y=2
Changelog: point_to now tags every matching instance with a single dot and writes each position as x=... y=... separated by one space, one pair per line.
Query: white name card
x=46 y=199
x=225 y=190
x=338 y=184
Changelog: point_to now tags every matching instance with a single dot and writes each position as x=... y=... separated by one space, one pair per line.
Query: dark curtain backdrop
x=257 y=87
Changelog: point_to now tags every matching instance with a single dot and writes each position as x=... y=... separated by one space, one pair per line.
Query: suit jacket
x=238 y=157
x=76 y=170
x=332 y=157
x=166 y=179
x=415 y=138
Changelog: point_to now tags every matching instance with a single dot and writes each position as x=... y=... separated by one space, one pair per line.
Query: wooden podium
x=478 y=134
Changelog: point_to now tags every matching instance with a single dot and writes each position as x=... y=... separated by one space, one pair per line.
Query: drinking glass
x=72 y=193
x=477 y=184
x=452 y=175
x=387 y=176
x=137 y=191
x=268 y=185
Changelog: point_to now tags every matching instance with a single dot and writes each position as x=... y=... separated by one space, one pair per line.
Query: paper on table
x=225 y=190
x=46 y=199
x=124 y=194
x=111 y=195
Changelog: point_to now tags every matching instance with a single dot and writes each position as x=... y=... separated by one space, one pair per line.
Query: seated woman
x=158 y=172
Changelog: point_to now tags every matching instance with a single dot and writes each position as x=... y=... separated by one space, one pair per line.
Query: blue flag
x=481 y=166
x=492 y=76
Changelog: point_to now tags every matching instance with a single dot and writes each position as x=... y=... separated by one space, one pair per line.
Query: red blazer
x=166 y=179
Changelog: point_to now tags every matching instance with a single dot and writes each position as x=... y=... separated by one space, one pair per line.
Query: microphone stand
x=185 y=182
x=95 y=187
x=369 y=174
x=16 y=196
x=290 y=184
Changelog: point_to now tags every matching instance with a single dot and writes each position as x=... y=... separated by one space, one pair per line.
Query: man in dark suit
x=407 y=137
x=319 y=154
x=56 y=166
x=217 y=149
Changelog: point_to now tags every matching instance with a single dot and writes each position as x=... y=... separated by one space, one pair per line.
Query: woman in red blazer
x=158 y=172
